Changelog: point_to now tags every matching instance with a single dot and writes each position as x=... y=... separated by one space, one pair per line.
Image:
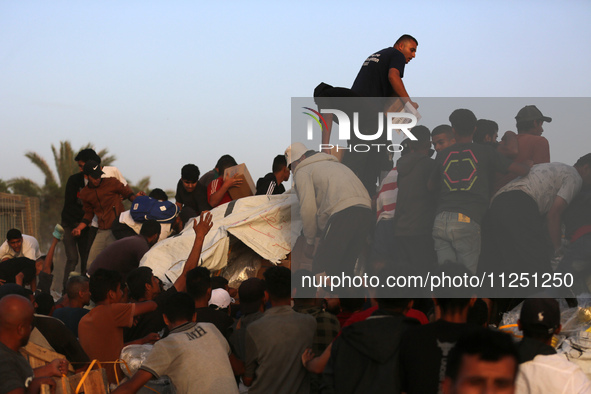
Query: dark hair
x=137 y=280
x=87 y=155
x=478 y=313
x=225 y=162
x=13 y=233
x=158 y=194
x=488 y=345
x=463 y=122
x=75 y=285
x=198 y=282
x=406 y=37
x=484 y=127
x=178 y=306
x=352 y=304
x=584 y=160
x=302 y=291
x=44 y=303
x=103 y=281
x=225 y=159
x=279 y=162
x=278 y=282
x=423 y=135
x=524 y=125
x=190 y=173
x=443 y=129
x=218 y=282
x=150 y=228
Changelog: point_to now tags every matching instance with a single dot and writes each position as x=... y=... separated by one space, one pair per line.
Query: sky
x=166 y=83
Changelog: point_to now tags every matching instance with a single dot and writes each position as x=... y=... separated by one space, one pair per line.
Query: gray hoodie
x=324 y=187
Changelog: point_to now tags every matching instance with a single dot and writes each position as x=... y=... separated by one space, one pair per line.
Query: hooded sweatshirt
x=364 y=358
x=324 y=187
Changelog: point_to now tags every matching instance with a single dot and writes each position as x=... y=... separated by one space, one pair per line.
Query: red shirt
x=213 y=187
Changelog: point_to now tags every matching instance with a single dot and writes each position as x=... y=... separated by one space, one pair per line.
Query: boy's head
x=189 y=177
x=280 y=168
x=442 y=136
x=158 y=194
x=199 y=283
x=143 y=284
x=105 y=286
x=78 y=288
x=486 y=131
x=463 y=121
x=14 y=238
x=278 y=283
x=223 y=163
x=423 y=142
x=151 y=231
x=177 y=309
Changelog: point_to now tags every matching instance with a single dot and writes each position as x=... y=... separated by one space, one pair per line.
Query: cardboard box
x=247 y=188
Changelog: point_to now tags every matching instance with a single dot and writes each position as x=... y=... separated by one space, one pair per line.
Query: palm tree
x=51 y=194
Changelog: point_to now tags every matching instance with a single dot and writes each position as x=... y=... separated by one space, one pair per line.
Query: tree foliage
x=51 y=193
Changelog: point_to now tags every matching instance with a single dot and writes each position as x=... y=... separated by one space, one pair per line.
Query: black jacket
x=365 y=357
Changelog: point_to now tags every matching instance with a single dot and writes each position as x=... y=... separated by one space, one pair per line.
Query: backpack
x=145 y=208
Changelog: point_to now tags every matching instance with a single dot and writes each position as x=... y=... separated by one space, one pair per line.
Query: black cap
x=540 y=314
x=92 y=169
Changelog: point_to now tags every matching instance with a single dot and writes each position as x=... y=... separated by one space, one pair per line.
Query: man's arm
x=137 y=381
x=217 y=196
x=201 y=229
x=541 y=152
x=144 y=307
x=554 y=220
x=398 y=85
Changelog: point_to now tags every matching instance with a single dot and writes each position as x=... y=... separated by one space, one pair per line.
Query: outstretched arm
x=201 y=229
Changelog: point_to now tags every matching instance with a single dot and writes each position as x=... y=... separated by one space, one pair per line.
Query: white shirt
x=551 y=374
x=29 y=250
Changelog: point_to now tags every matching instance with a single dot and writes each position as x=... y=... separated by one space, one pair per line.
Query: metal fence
x=19 y=212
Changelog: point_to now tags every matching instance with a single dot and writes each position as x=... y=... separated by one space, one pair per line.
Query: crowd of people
x=479 y=206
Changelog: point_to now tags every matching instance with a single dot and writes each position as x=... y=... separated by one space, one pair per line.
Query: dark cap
x=92 y=169
x=531 y=112
x=251 y=293
x=540 y=314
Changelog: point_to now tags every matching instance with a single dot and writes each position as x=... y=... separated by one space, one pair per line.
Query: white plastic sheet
x=263 y=223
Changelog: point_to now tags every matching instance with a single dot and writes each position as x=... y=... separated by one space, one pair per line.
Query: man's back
x=372 y=79
x=465 y=174
x=122 y=255
x=274 y=345
x=531 y=147
x=195 y=357
x=546 y=181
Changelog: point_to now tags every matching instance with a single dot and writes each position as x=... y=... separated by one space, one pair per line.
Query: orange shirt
x=101 y=333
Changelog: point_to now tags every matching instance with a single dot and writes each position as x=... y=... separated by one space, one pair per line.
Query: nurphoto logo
x=401 y=121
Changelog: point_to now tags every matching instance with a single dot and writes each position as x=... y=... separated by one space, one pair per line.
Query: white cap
x=295 y=151
x=220 y=298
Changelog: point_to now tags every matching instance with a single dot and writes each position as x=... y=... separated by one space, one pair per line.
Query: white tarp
x=263 y=223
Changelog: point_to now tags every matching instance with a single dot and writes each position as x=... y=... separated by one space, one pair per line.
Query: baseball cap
x=294 y=152
x=92 y=169
x=531 y=112
x=251 y=292
x=220 y=298
x=540 y=314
